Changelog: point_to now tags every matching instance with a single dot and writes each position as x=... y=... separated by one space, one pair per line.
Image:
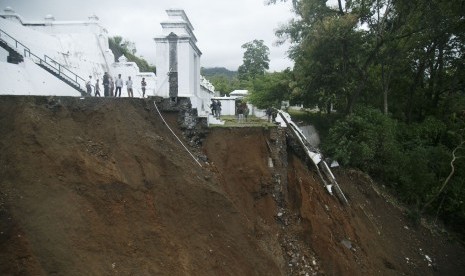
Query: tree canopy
x=270 y=89
x=396 y=70
x=255 y=61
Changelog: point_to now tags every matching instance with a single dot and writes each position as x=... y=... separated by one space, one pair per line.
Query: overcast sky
x=221 y=26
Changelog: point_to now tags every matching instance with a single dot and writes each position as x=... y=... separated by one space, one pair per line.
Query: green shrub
x=365 y=139
x=412 y=159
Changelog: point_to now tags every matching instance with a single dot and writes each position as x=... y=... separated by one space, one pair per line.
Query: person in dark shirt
x=106 y=85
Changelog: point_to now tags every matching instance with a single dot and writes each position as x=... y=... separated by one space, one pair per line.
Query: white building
x=67 y=50
x=72 y=50
x=130 y=69
x=229 y=103
x=178 y=63
x=50 y=57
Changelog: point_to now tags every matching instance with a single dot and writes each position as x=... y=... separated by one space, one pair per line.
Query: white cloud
x=221 y=26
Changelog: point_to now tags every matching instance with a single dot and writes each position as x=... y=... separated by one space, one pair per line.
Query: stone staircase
x=13 y=56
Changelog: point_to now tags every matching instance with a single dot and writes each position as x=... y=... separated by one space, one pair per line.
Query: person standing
x=218 y=109
x=89 y=86
x=246 y=112
x=112 y=86
x=129 y=87
x=106 y=85
x=97 y=88
x=213 y=107
x=269 y=113
x=240 y=113
x=119 y=86
x=143 y=84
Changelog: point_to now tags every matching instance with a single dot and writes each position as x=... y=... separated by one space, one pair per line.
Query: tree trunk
x=385 y=86
x=341 y=11
x=352 y=99
x=439 y=75
x=411 y=96
x=451 y=173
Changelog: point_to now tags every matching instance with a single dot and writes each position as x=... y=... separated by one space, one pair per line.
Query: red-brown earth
x=101 y=187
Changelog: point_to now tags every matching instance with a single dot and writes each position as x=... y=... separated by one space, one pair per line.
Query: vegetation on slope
x=127 y=48
x=394 y=71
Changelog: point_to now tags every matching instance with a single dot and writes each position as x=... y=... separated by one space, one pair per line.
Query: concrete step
x=214 y=121
x=13 y=55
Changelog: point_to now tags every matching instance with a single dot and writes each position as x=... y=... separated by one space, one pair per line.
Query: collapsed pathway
x=322 y=168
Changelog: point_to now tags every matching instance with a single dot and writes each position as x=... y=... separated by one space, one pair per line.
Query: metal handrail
x=47 y=61
x=16 y=41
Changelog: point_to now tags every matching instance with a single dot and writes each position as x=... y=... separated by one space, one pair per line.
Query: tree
x=329 y=52
x=404 y=59
x=454 y=158
x=270 y=89
x=255 y=60
x=224 y=80
x=223 y=84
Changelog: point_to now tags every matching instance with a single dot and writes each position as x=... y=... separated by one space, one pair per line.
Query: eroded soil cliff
x=100 y=187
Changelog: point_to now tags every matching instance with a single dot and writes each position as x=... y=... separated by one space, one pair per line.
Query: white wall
x=80 y=46
x=228 y=105
x=151 y=81
x=130 y=69
x=39 y=43
x=204 y=98
x=27 y=78
x=3 y=55
x=162 y=63
x=261 y=113
x=185 y=88
x=188 y=62
x=72 y=45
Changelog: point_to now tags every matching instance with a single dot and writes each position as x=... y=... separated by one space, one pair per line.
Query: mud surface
x=101 y=187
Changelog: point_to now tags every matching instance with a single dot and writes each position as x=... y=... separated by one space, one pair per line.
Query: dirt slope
x=100 y=187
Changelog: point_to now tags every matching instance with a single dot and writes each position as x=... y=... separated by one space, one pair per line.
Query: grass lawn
x=252 y=121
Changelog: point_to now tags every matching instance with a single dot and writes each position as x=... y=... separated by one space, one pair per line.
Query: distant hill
x=218 y=71
x=224 y=80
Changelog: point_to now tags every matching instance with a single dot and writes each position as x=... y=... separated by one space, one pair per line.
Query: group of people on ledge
x=113 y=88
x=215 y=107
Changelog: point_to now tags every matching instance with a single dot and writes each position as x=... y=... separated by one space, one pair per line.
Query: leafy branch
x=451 y=173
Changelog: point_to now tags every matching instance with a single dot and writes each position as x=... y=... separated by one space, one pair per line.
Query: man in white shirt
x=118 y=85
x=129 y=87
